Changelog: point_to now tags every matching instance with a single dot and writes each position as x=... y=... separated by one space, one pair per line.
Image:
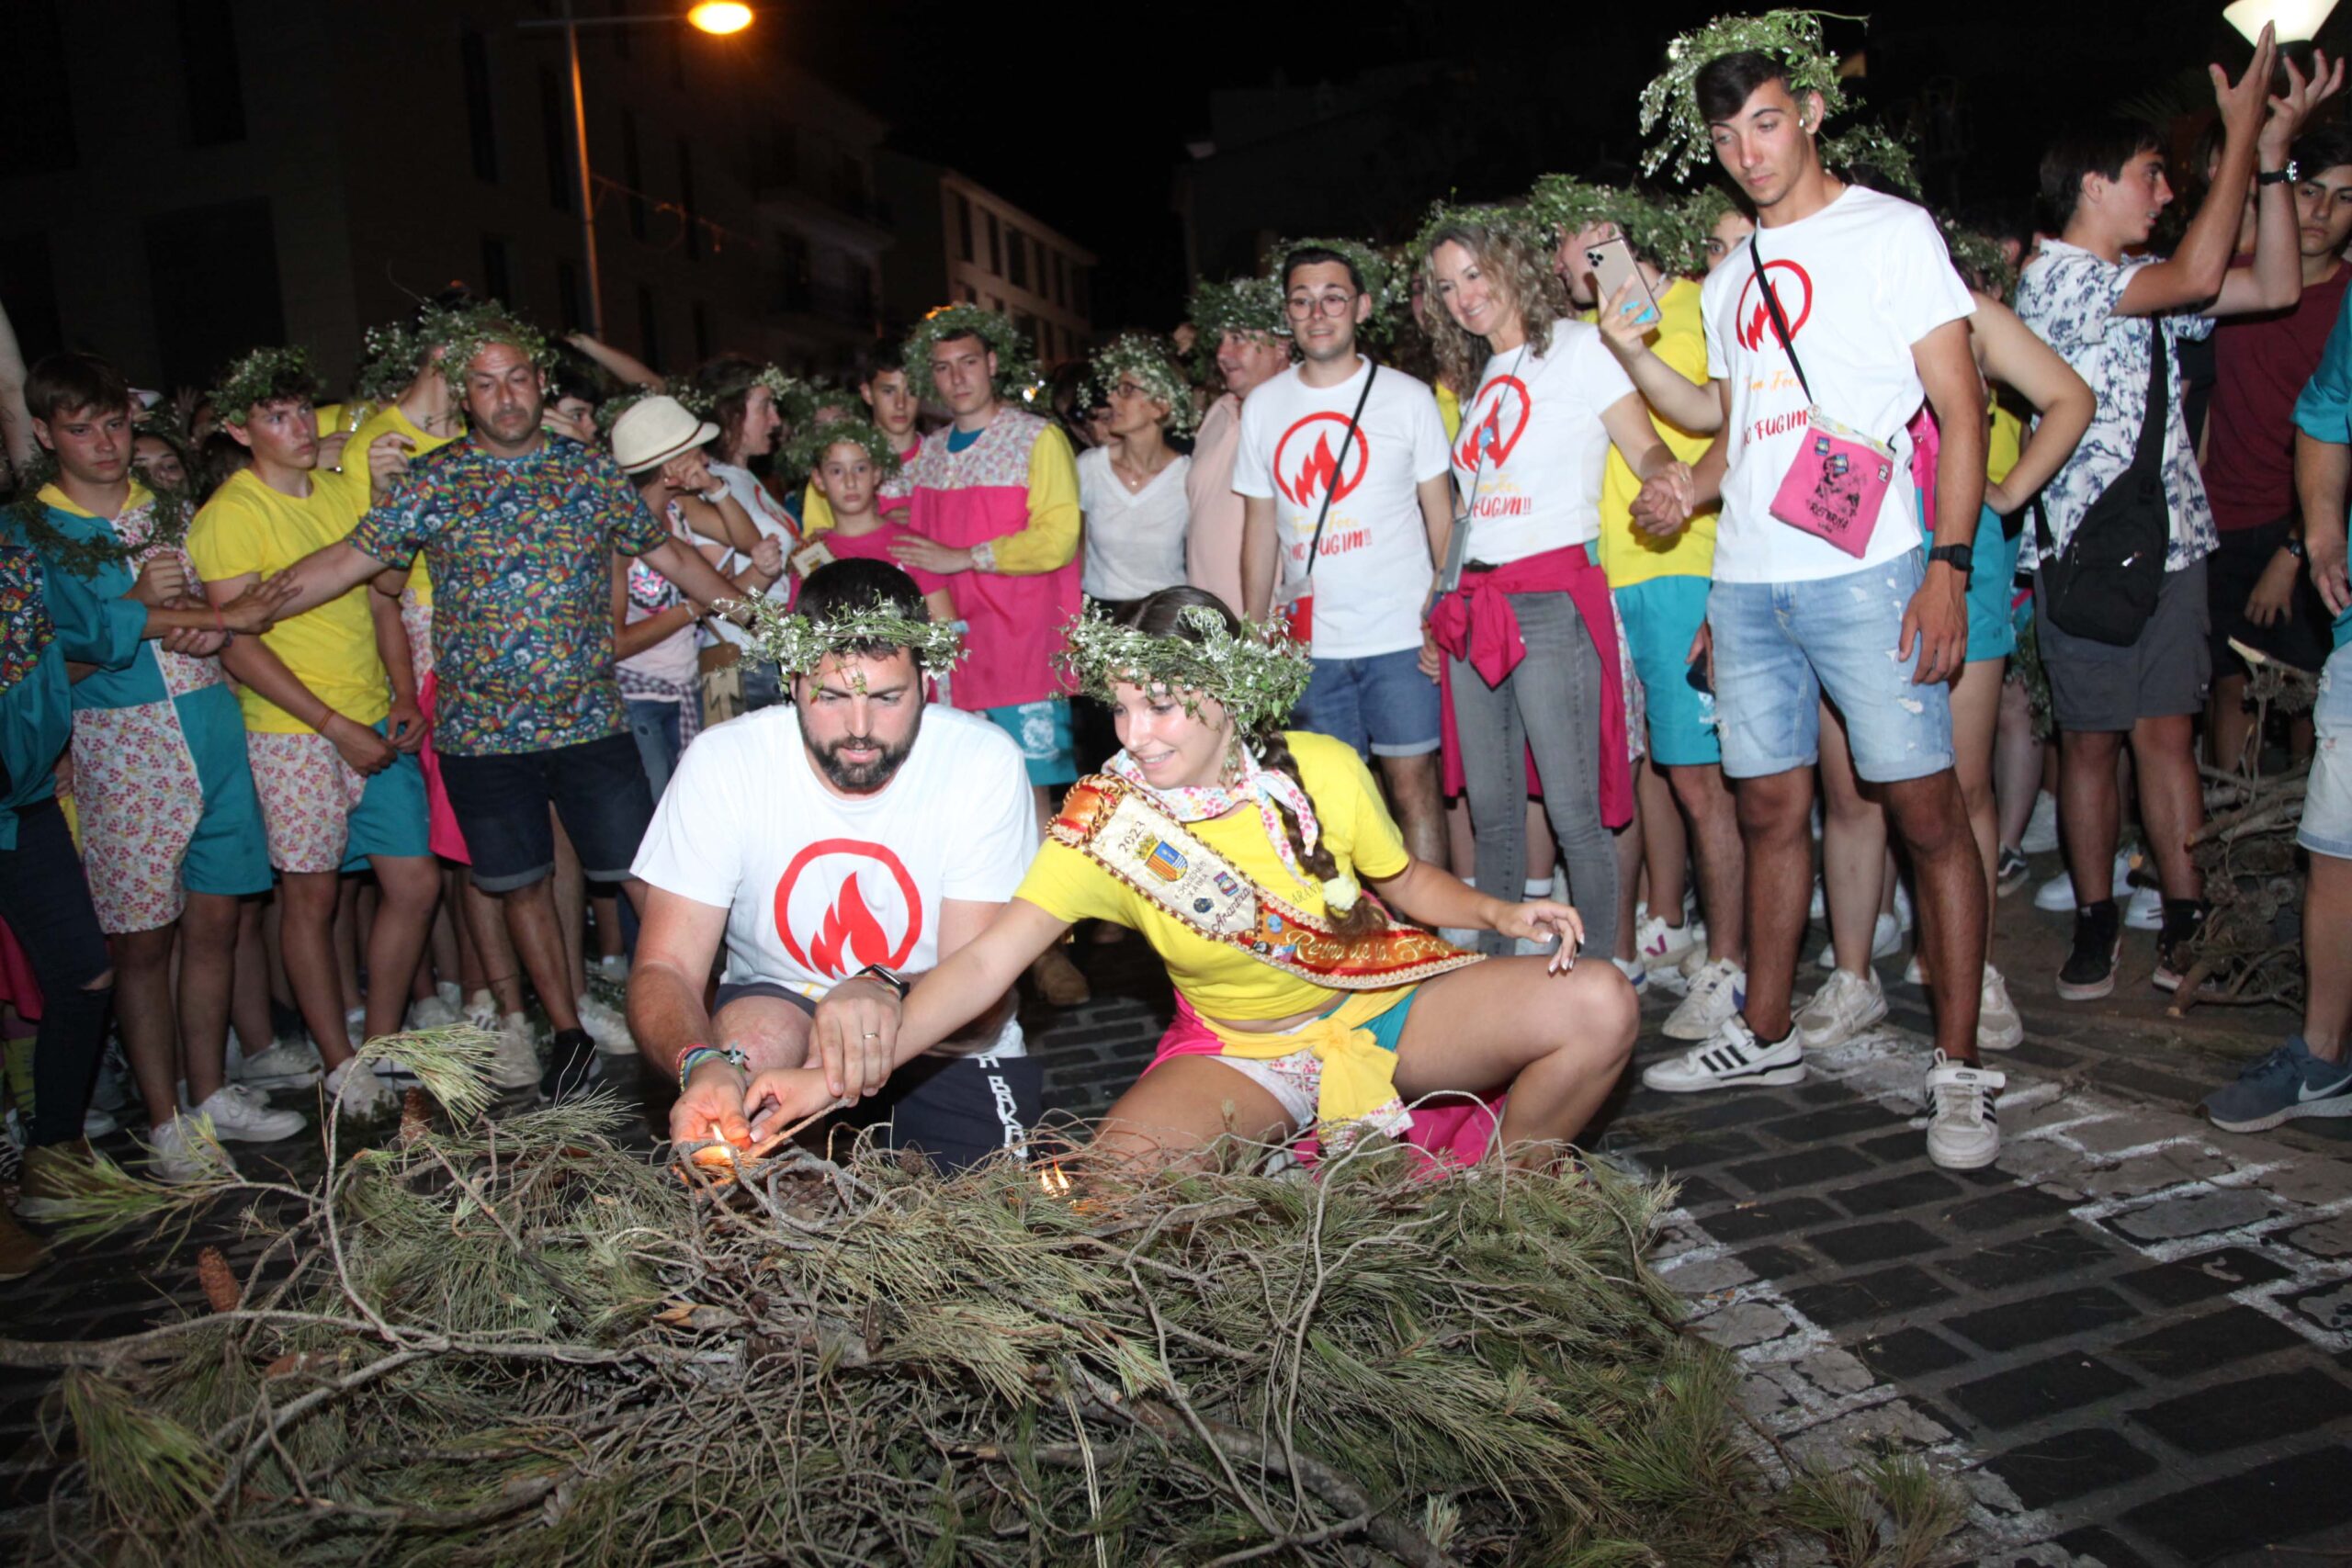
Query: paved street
x=2129 y=1341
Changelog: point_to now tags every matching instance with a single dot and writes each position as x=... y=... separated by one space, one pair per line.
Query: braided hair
x=1161 y=615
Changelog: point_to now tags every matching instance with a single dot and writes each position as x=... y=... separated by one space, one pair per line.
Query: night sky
x=1080 y=112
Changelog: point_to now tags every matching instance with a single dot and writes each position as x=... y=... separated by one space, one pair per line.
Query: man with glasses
x=1342 y=471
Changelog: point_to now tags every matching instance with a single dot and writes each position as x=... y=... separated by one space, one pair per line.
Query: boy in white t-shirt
x=1876 y=322
x=838 y=846
x=1390 y=510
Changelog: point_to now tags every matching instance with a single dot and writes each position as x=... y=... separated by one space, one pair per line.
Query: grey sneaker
x=1845 y=1006
x=1962 y=1132
x=2288 y=1083
x=290 y=1064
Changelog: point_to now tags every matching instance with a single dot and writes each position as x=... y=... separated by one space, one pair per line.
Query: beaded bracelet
x=697 y=1055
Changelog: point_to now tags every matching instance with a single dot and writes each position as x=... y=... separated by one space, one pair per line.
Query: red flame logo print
x=1307 y=460
x=1752 y=320
x=1504 y=394
x=845 y=932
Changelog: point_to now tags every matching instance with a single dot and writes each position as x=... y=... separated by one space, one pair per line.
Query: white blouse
x=1135 y=539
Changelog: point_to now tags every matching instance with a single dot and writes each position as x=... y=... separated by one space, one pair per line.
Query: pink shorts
x=448 y=839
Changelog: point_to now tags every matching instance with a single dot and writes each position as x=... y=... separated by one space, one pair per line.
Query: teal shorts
x=1661 y=618
x=1992 y=590
x=230 y=853
x=1042 y=730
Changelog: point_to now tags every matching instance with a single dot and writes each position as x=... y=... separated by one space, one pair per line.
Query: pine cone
x=416 y=1116
x=220 y=1281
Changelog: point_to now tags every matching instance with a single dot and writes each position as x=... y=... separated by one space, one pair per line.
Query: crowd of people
x=1433 y=618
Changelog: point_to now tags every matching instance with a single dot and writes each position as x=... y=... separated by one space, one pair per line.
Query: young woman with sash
x=1240 y=852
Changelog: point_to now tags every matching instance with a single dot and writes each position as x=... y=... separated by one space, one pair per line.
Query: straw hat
x=654 y=430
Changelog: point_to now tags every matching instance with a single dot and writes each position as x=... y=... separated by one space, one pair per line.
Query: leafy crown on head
x=1017 y=381
x=809 y=446
x=1791 y=37
x=264 y=376
x=1389 y=286
x=1152 y=366
x=798 y=644
x=459 y=333
x=1257 y=679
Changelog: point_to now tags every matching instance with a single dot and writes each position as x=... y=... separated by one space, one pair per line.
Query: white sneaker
x=355 y=1024
x=392 y=1068
x=2057 y=895
x=1819 y=908
x=1659 y=946
x=608 y=1029
x=515 y=1063
x=1902 y=906
x=2146 y=913
x=1915 y=973
x=359 y=1094
x=233 y=1057
x=432 y=1012
x=290 y=1064
x=97 y=1123
x=178 y=1151
x=1886 y=940
x=1999 y=1027
x=239 y=1113
x=612 y=967
x=1716 y=992
x=1844 y=1007
x=2042 y=827
x=1733 y=1058
x=482 y=1011
x=1635 y=976
x=1962 y=1132
x=450 y=992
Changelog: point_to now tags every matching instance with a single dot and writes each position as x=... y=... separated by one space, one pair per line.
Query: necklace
x=1137 y=480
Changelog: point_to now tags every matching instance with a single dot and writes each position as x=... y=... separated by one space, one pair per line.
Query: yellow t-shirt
x=2002 y=446
x=249 y=528
x=1449 y=410
x=1628 y=555
x=353 y=480
x=1219 y=980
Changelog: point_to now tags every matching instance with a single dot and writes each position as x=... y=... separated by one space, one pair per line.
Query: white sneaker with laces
x=359 y=1094
x=1635 y=976
x=1886 y=940
x=178 y=1152
x=1716 y=994
x=608 y=1029
x=1659 y=946
x=2057 y=895
x=287 y=1064
x=1962 y=1134
x=1999 y=1025
x=2146 y=913
x=482 y=1011
x=1844 y=1007
x=1731 y=1059
x=431 y=1012
x=2042 y=827
x=515 y=1063
x=612 y=966
x=240 y=1114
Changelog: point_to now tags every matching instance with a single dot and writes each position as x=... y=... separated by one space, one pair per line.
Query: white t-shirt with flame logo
x=817 y=887
x=1532 y=448
x=1374 y=570
x=1860 y=281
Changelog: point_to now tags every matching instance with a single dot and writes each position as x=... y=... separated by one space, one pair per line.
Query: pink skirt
x=1456 y=1134
x=442 y=834
x=17 y=986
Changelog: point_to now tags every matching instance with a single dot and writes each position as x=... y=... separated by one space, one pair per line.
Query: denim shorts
x=1662 y=616
x=1382 y=704
x=1042 y=730
x=1780 y=646
x=2327 y=797
x=597 y=787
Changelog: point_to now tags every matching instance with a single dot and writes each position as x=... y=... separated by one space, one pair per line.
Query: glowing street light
x=2296 y=20
x=721 y=16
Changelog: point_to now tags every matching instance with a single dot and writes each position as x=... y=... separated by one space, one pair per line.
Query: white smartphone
x=1613 y=263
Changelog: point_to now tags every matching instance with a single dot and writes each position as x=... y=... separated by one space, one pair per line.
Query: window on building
x=633 y=174
x=996 y=247
x=702 y=331
x=482 y=124
x=497 y=269
x=1016 y=258
x=968 y=296
x=964 y=225
x=1045 y=342
x=686 y=200
x=570 y=305
x=995 y=303
x=649 y=328
x=555 y=131
x=216 y=92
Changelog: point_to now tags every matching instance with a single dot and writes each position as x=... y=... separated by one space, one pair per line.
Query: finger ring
x=871 y=1034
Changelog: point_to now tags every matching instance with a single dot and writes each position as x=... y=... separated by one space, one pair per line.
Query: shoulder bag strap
x=2149 y=453
x=1331 y=489
x=1779 y=321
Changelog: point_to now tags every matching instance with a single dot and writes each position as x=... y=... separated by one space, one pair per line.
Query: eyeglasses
x=1333 y=303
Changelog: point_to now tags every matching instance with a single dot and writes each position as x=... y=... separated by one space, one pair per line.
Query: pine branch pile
x=518 y=1342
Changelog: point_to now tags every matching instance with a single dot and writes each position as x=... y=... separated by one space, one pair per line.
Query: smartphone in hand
x=1613 y=263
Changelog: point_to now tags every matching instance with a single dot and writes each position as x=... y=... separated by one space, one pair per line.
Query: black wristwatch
x=2294 y=547
x=1961 y=559
x=889 y=977
x=2285 y=176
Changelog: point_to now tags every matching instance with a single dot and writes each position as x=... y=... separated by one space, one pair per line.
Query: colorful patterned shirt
x=519 y=548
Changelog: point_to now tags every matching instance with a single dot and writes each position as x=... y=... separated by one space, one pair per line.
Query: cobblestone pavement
x=2129 y=1341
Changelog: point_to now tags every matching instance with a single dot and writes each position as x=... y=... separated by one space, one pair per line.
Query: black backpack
x=2103 y=585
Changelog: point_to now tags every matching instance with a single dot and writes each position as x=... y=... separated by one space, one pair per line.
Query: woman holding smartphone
x=1525 y=642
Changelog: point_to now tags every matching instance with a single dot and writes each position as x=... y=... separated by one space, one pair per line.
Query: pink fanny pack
x=1839 y=476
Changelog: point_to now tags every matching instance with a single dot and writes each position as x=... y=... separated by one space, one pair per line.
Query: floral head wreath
x=1017 y=381
x=1150 y=363
x=1792 y=37
x=1513 y=220
x=796 y=400
x=1665 y=229
x=1256 y=680
x=1251 y=305
x=461 y=334
x=1877 y=148
x=263 y=375
x=1390 y=286
x=389 y=358
x=809 y=446
x=800 y=644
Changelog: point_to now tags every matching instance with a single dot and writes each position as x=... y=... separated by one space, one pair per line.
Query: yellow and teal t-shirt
x=249 y=528
x=1217 y=979
x=1627 y=554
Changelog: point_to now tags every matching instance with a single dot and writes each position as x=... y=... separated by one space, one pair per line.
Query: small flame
x=1051 y=1178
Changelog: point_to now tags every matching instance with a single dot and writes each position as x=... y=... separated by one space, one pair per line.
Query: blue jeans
x=655 y=727
x=1779 y=647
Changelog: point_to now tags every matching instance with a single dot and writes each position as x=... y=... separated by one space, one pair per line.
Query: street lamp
x=2296 y=20
x=716 y=17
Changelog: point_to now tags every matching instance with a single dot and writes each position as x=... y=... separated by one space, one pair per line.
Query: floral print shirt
x=2068 y=296
x=519 y=550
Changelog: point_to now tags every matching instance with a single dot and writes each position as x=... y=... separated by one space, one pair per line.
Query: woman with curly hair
x=1235 y=848
x=1526 y=643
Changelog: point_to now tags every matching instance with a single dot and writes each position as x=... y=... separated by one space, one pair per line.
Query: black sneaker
x=571 y=1065
x=2184 y=921
x=2089 y=971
